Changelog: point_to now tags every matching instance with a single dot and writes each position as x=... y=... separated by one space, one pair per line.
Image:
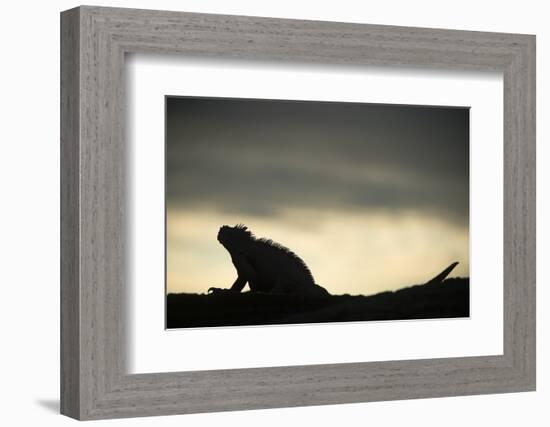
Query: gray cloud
x=257 y=157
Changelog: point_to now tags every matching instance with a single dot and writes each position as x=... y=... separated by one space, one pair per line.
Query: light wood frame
x=94 y=382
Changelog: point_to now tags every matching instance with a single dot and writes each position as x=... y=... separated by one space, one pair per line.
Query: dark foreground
x=436 y=300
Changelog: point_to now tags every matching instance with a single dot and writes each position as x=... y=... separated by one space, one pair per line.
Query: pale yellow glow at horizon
x=348 y=252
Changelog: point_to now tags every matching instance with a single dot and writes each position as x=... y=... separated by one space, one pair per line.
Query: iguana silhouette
x=266 y=265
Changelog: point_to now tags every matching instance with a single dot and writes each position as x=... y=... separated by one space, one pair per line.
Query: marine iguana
x=266 y=265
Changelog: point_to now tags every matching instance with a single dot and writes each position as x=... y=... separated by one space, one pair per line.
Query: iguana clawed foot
x=217 y=290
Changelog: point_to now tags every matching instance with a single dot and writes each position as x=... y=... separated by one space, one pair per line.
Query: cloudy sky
x=372 y=197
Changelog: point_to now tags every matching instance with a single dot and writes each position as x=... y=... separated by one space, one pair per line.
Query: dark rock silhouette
x=433 y=300
x=267 y=266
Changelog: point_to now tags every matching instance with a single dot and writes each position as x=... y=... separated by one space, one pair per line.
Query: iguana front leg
x=244 y=271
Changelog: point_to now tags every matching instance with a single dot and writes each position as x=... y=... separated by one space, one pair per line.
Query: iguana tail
x=443 y=275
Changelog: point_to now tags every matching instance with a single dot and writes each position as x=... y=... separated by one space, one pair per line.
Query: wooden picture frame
x=94 y=382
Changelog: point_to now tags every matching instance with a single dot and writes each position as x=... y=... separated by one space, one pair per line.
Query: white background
x=29 y=217
x=152 y=349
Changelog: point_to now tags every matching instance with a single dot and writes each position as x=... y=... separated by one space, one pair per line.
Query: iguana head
x=233 y=237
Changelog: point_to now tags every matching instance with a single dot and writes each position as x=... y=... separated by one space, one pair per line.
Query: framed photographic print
x=263 y=213
x=306 y=171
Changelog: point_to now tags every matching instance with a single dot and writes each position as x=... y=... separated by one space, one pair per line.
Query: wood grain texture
x=94 y=380
x=70 y=291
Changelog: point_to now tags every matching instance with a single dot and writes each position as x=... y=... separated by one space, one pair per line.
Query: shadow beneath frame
x=51 y=405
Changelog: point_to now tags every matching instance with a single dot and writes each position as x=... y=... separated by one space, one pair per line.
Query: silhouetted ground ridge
x=447 y=299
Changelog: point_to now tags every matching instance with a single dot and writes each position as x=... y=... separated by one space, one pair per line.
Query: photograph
x=295 y=212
